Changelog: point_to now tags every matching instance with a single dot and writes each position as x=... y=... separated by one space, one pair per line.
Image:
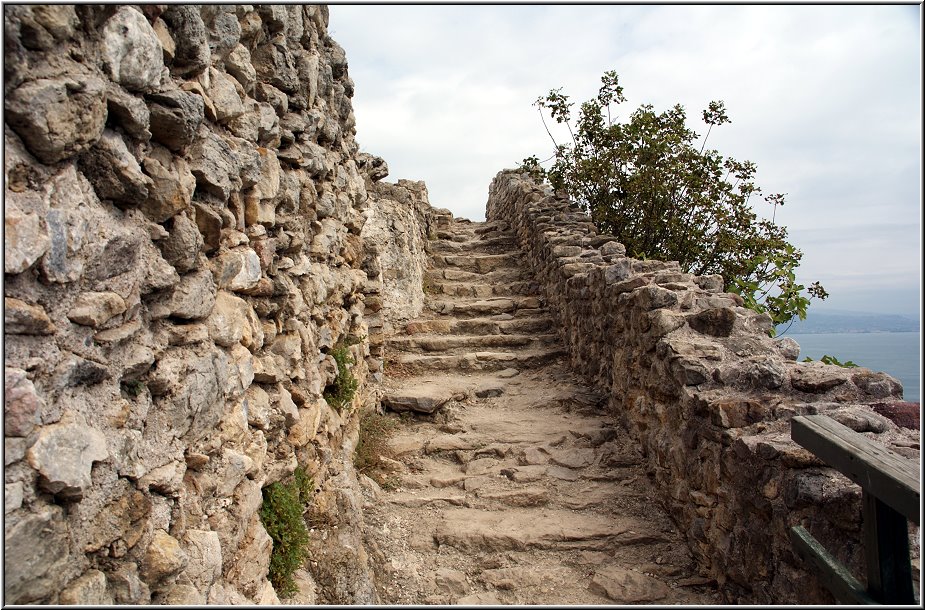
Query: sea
x=898 y=354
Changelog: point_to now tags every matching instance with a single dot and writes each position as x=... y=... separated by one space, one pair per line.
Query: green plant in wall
x=664 y=195
x=826 y=359
x=281 y=514
x=341 y=392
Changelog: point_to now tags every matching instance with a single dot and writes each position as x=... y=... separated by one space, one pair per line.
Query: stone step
x=474 y=530
x=502 y=276
x=482 y=291
x=480 y=361
x=467 y=308
x=445 y=343
x=479 y=263
x=474 y=245
x=483 y=326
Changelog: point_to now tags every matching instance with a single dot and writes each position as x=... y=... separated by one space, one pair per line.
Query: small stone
x=226 y=102
x=192 y=54
x=183 y=244
x=131 y=51
x=114 y=172
x=239 y=269
x=194 y=297
x=209 y=223
x=88 y=589
x=183 y=595
x=171 y=185
x=22 y=405
x=627 y=587
x=25 y=240
x=175 y=118
x=451 y=581
x=507 y=373
x=58 y=118
x=238 y=64
x=163 y=559
x=12 y=497
x=20 y=318
x=96 y=308
x=131 y=113
x=215 y=166
x=35 y=556
x=64 y=454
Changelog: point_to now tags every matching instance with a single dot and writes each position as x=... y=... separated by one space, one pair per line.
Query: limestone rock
x=192 y=53
x=130 y=112
x=175 y=118
x=239 y=269
x=215 y=166
x=716 y=322
x=25 y=240
x=22 y=405
x=96 y=308
x=20 y=318
x=163 y=559
x=238 y=64
x=451 y=581
x=222 y=28
x=58 y=118
x=226 y=103
x=126 y=586
x=114 y=172
x=183 y=244
x=232 y=321
x=627 y=587
x=275 y=65
x=194 y=297
x=815 y=377
x=88 y=589
x=171 y=185
x=35 y=556
x=205 y=558
x=131 y=51
x=64 y=454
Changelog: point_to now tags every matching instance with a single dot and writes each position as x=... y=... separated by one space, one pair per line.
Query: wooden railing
x=890 y=485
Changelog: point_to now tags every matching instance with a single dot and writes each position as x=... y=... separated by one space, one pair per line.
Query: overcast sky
x=826 y=100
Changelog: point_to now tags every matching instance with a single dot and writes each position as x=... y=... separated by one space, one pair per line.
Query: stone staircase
x=483 y=310
x=510 y=484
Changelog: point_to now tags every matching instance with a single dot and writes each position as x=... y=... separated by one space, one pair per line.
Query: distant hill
x=834 y=321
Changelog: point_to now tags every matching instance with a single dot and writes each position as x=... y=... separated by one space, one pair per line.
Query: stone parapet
x=708 y=395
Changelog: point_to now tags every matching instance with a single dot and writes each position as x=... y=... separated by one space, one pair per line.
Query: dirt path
x=509 y=483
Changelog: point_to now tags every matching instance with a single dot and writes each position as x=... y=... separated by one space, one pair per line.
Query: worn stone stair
x=511 y=485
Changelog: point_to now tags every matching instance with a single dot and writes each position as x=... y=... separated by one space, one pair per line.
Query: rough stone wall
x=183 y=210
x=709 y=396
x=399 y=222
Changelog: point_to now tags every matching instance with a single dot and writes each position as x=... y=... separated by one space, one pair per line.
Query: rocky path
x=509 y=484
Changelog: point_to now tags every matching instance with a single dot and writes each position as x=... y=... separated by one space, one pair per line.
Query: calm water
x=894 y=353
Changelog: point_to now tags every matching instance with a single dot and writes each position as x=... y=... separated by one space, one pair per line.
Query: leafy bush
x=342 y=391
x=646 y=182
x=281 y=514
x=826 y=359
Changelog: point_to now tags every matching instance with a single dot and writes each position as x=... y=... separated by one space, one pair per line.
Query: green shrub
x=826 y=359
x=281 y=514
x=341 y=392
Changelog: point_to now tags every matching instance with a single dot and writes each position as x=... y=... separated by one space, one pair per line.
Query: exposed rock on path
x=510 y=485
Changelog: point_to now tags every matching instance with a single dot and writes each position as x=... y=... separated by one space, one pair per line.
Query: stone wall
x=184 y=202
x=399 y=223
x=709 y=397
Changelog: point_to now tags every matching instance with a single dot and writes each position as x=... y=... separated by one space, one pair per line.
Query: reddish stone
x=903 y=414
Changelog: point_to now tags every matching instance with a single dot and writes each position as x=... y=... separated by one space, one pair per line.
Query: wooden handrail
x=891 y=492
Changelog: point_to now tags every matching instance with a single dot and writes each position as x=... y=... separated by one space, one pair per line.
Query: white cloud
x=825 y=99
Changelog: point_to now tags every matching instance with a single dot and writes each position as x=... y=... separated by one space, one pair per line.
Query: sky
x=825 y=99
